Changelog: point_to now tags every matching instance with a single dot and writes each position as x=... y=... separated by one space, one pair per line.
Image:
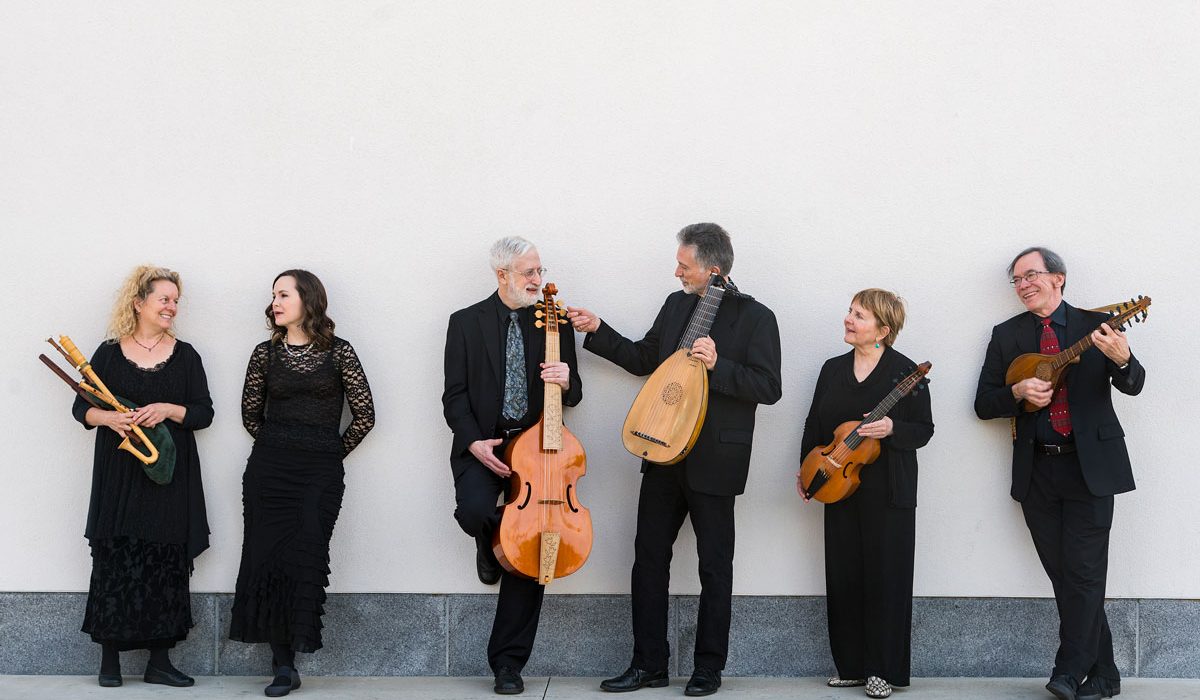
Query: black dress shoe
x=1063 y=687
x=486 y=565
x=704 y=681
x=508 y=681
x=1098 y=688
x=286 y=680
x=174 y=677
x=635 y=679
x=110 y=680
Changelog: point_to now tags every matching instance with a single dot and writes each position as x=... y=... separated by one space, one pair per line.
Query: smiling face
x=862 y=329
x=520 y=283
x=692 y=275
x=156 y=313
x=286 y=304
x=1043 y=295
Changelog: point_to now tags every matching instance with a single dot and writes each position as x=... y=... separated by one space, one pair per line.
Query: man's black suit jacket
x=746 y=374
x=1099 y=438
x=474 y=390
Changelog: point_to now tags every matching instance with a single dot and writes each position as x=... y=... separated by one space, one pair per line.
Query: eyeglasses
x=531 y=272
x=1029 y=277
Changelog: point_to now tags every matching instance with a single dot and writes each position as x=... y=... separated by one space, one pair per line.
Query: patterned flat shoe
x=838 y=682
x=878 y=688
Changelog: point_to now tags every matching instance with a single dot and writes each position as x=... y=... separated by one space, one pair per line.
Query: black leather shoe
x=508 y=681
x=635 y=679
x=1063 y=687
x=110 y=680
x=486 y=565
x=704 y=681
x=1098 y=688
x=286 y=680
x=174 y=677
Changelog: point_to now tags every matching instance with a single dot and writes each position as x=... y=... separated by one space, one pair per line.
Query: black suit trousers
x=665 y=500
x=1070 y=529
x=519 y=605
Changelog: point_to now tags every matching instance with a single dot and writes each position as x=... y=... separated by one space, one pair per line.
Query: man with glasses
x=1069 y=459
x=495 y=382
x=742 y=356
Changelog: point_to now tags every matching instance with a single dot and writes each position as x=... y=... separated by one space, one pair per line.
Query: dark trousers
x=664 y=501
x=519 y=605
x=1070 y=530
x=869 y=550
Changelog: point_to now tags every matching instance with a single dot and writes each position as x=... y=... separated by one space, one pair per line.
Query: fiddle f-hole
x=571 y=501
x=528 y=495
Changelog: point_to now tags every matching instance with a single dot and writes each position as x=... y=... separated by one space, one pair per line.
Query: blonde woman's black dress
x=293 y=484
x=144 y=536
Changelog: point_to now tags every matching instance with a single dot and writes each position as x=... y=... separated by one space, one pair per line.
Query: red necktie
x=1060 y=415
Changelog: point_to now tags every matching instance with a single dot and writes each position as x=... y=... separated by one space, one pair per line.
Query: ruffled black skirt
x=138 y=597
x=290 y=501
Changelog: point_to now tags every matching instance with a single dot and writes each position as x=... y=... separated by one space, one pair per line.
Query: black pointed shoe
x=486 y=565
x=110 y=680
x=285 y=681
x=704 y=681
x=508 y=681
x=635 y=679
x=1063 y=687
x=1098 y=688
x=174 y=677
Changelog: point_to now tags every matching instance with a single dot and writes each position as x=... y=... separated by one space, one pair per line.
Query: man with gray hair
x=742 y=356
x=1069 y=459
x=495 y=381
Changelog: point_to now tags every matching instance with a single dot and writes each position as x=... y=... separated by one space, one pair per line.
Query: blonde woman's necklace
x=149 y=348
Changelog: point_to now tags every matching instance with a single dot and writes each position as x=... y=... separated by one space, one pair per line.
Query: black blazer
x=1099 y=438
x=746 y=374
x=474 y=390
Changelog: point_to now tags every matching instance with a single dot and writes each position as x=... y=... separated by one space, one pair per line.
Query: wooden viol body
x=545 y=533
x=832 y=472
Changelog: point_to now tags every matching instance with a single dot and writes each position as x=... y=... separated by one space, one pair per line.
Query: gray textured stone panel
x=768 y=636
x=364 y=635
x=584 y=635
x=41 y=636
x=1003 y=636
x=590 y=635
x=470 y=624
x=1170 y=638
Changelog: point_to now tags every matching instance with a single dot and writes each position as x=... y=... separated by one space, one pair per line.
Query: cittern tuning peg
x=539 y=324
x=538 y=313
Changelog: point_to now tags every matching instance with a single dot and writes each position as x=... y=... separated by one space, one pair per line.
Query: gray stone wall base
x=413 y=634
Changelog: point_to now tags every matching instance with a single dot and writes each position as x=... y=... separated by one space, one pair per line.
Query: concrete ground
x=559 y=688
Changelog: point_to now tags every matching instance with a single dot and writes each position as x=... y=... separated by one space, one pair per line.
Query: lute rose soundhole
x=1044 y=372
x=672 y=393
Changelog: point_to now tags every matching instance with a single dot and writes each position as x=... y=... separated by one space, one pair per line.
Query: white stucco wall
x=384 y=145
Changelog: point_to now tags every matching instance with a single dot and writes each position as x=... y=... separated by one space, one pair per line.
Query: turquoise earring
x=876 y=345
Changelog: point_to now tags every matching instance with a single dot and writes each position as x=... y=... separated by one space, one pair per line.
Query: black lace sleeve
x=358 y=396
x=254 y=391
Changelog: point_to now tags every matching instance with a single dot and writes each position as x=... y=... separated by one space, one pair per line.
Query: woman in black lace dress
x=144 y=536
x=293 y=485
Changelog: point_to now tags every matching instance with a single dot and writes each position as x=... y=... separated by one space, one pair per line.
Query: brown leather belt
x=1064 y=449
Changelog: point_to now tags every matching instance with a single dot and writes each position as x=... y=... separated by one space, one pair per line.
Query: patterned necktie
x=516 y=387
x=1060 y=415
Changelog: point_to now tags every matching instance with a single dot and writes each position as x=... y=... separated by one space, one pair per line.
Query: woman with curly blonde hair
x=145 y=535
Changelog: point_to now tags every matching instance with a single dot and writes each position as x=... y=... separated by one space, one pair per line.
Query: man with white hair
x=495 y=381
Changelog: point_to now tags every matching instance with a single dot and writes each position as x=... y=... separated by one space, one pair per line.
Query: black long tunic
x=870 y=536
x=144 y=535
